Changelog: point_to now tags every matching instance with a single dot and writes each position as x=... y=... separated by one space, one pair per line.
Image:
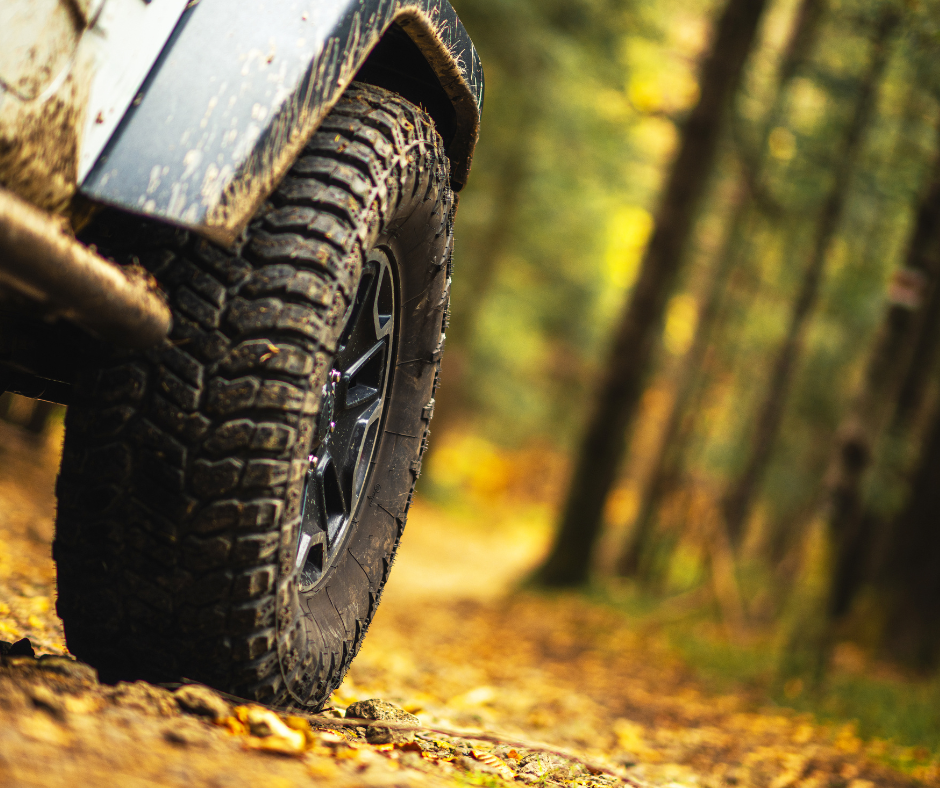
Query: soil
x=477 y=686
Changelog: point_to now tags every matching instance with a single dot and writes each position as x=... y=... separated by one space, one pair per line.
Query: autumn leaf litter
x=486 y=691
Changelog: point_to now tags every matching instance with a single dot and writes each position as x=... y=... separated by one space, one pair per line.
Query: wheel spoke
x=362 y=381
x=361 y=448
x=310 y=555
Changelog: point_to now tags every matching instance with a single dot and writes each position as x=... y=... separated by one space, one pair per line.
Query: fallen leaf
x=269 y=732
x=491 y=760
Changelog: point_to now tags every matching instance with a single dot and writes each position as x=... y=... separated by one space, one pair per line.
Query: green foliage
x=559 y=121
x=585 y=104
x=898 y=715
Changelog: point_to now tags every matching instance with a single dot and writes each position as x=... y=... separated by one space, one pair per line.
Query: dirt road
x=528 y=674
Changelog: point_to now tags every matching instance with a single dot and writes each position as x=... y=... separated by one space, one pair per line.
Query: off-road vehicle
x=225 y=244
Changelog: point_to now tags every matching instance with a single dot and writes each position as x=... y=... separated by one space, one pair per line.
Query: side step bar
x=43 y=263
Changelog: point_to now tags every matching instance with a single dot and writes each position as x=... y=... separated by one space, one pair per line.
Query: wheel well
x=397 y=64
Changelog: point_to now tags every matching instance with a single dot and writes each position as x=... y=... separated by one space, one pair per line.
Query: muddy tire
x=224 y=514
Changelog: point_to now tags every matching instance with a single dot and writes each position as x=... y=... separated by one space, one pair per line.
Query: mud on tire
x=184 y=468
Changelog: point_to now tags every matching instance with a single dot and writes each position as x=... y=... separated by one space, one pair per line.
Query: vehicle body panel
x=128 y=38
x=199 y=107
x=68 y=71
x=241 y=87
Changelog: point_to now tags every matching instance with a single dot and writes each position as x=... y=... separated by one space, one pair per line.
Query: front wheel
x=230 y=504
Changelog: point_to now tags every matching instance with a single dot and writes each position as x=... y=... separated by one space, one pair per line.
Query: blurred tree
x=507 y=189
x=517 y=67
x=890 y=356
x=528 y=217
x=667 y=463
x=605 y=438
x=507 y=194
x=741 y=494
x=873 y=241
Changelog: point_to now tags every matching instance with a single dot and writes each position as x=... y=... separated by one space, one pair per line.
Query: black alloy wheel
x=349 y=423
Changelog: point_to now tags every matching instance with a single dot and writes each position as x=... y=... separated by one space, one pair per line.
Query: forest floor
x=507 y=687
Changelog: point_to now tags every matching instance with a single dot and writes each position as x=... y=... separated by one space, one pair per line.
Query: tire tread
x=193 y=454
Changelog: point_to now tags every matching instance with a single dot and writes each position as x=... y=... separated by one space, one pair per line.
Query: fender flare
x=257 y=85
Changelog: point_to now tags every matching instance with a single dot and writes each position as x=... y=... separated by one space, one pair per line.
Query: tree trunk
x=740 y=499
x=906 y=150
x=913 y=634
x=668 y=462
x=604 y=442
x=890 y=357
